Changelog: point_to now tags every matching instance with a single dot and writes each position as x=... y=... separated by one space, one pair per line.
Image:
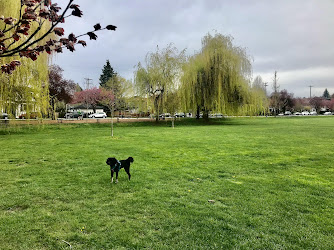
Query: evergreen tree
x=107 y=74
x=78 y=88
x=326 y=94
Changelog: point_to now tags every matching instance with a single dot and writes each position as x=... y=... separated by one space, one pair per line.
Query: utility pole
x=87 y=82
x=310 y=91
x=265 y=87
x=275 y=87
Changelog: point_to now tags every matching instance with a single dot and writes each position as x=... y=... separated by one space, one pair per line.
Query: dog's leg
x=116 y=177
x=127 y=170
x=112 y=175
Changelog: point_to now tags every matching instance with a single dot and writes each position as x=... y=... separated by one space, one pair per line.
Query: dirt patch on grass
x=86 y=120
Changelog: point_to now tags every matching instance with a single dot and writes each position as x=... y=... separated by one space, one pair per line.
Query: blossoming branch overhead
x=23 y=36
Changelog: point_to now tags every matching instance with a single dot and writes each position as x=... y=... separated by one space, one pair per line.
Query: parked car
x=163 y=116
x=180 y=115
x=98 y=115
x=72 y=115
x=305 y=113
x=218 y=115
x=32 y=115
x=328 y=113
x=313 y=113
x=4 y=116
x=297 y=113
x=287 y=113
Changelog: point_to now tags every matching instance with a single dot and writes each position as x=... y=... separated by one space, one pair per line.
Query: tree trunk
x=53 y=109
x=112 y=123
x=156 y=107
x=206 y=114
x=197 y=113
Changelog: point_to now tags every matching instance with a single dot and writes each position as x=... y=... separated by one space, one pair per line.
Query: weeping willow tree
x=217 y=79
x=259 y=95
x=26 y=89
x=160 y=76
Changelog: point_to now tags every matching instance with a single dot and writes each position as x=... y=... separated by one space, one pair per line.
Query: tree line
x=285 y=101
x=280 y=101
x=111 y=93
x=215 y=79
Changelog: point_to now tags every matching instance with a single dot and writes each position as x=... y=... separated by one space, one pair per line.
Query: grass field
x=271 y=181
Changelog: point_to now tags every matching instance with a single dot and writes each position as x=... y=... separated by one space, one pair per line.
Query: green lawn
x=271 y=180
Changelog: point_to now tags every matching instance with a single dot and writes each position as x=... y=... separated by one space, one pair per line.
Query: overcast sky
x=293 y=37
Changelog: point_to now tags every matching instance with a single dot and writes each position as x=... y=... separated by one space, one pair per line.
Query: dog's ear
x=130 y=159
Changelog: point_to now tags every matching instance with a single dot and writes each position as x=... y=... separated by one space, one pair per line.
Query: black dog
x=116 y=165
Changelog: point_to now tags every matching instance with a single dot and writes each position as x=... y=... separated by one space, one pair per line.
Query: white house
x=83 y=108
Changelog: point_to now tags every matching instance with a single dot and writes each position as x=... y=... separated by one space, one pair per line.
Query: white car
x=165 y=115
x=305 y=113
x=313 y=113
x=98 y=115
x=328 y=113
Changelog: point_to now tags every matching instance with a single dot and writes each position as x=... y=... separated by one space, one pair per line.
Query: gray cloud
x=293 y=37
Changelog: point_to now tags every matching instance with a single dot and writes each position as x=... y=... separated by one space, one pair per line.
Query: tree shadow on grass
x=183 y=122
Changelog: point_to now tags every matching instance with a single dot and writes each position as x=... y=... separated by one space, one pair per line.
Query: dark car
x=32 y=115
x=73 y=115
x=180 y=115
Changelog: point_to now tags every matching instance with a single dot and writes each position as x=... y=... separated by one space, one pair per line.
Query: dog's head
x=130 y=159
x=111 y=161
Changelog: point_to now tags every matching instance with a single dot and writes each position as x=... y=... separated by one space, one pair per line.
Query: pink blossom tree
x=88 y=97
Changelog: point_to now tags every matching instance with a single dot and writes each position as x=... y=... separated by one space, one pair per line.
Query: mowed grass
x=269 y=180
